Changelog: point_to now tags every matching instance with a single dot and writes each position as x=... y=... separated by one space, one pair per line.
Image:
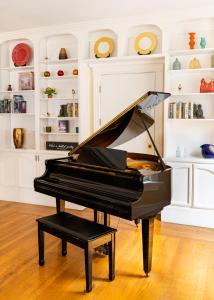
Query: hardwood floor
x=183 y=262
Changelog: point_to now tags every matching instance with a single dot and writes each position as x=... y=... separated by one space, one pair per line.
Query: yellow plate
x=149 y=43
x=103 y=47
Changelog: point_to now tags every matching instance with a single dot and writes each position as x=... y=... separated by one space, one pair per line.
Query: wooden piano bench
x=82 y=233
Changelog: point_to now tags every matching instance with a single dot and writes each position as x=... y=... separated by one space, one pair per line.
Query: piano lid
x=130 y=123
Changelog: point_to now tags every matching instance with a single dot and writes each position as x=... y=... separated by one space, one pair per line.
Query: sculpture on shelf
x=18 y=137
x=176 y=64
x=47 y=74
x=60 y=73
x=207 y=150
x=191 y=40
x=194 y=64
x=203 y=42
x=9 y=88
x=199 y=112
x=207 y=86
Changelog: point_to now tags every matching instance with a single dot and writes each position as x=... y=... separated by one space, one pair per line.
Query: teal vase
x=176 y=65
x=203 y=42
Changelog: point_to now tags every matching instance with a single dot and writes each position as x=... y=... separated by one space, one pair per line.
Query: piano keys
x=132 y=186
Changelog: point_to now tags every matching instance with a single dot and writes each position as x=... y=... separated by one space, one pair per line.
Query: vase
x=18 y=137
x=50 y=96
x=203 y=42
x=191 y=40
x=62 y=54
x=176 y=65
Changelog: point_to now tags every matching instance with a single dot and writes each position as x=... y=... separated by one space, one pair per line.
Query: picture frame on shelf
x=26 y=81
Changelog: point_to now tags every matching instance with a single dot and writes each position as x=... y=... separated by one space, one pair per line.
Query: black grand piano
x=133 y=186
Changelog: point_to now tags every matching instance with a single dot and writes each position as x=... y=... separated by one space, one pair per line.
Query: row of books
x=182 y=110
x=18 y=105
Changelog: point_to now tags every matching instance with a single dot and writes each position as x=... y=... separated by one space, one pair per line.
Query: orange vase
x=191 y=40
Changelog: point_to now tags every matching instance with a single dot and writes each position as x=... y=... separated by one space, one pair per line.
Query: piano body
x=132 y=186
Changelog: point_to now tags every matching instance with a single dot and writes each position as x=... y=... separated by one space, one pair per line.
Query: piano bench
x=81 y=232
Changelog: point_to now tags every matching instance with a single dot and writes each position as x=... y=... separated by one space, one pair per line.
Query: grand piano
x=133 y=186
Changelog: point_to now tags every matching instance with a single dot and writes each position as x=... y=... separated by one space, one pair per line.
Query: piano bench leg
x=64 y=248
x=41 y=246
x=88 y=267
x=111 y=257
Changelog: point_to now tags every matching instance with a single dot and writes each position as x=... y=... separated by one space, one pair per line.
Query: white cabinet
x=181 y=183
x=203 y=186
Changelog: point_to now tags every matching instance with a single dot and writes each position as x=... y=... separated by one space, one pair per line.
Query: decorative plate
x=145 y=43
x=21 y=54
x=103 y=47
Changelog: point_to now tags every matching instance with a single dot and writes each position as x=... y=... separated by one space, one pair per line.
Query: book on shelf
x=5 y=106
x=19 y=104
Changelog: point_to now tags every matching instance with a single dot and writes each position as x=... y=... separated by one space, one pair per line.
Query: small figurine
x=194 y=64
x=9 y=88
x=203 y=42
x=47 y=74
x=199 y=112
x=179 y=88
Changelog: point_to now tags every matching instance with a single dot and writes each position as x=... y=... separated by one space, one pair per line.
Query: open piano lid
x=130 y=123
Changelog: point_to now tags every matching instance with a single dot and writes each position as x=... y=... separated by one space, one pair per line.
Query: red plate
x=21 y=54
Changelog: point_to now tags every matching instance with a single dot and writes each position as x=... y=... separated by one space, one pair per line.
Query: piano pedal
x=102 y=250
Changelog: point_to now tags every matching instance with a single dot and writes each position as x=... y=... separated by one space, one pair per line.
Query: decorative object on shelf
x=63 y=126
x=48 y=128
x=63 y=111
x=47 y=74
x=194 y=110
x=203 y=42
x=191 y=40
x=26 y=81
x=178 y=152
x=179 y=88
x=60 y=146
x=199 y=112
x=21 y=55
x=176 y=64
x=194 y=64
x=9 y=88
x=103 y=47
x=18 y=137
x=207 y=86
x=212 y=61
x=73 y=93
x=207 y=150
x=23 y=107
x=77 y=129
x=60 y=73
x=49 y=91
x=63 y=54
x=75 y=72
x=145 y=43
x=17 y=106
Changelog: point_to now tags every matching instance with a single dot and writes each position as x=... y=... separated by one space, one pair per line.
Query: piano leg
x=60 y=205
x=147 y=241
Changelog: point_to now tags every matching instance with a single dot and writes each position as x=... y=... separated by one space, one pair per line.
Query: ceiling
x=21 y=14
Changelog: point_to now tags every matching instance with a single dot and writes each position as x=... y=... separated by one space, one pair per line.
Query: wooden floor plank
x=183 y=262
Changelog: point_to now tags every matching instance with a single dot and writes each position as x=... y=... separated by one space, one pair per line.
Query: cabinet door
x=41 y=161
x=181 y=183
x=26 y=170
x=203 y=186
x=8 y=169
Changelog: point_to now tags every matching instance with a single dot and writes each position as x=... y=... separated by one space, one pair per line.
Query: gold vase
x=63 y=54
x=18 y=137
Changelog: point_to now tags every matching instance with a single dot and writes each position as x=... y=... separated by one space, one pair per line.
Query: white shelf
x=197 y=120
x=192 y=94
x=17 y=68
x=191 y=51
x=59 y=61
x=60 y=99
x=124 y=58
x=60 y=133
x=193 y=70
x=59 y=118
x=189 y=159
x=59 y=77
x=22 y=114
x=19 y=91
